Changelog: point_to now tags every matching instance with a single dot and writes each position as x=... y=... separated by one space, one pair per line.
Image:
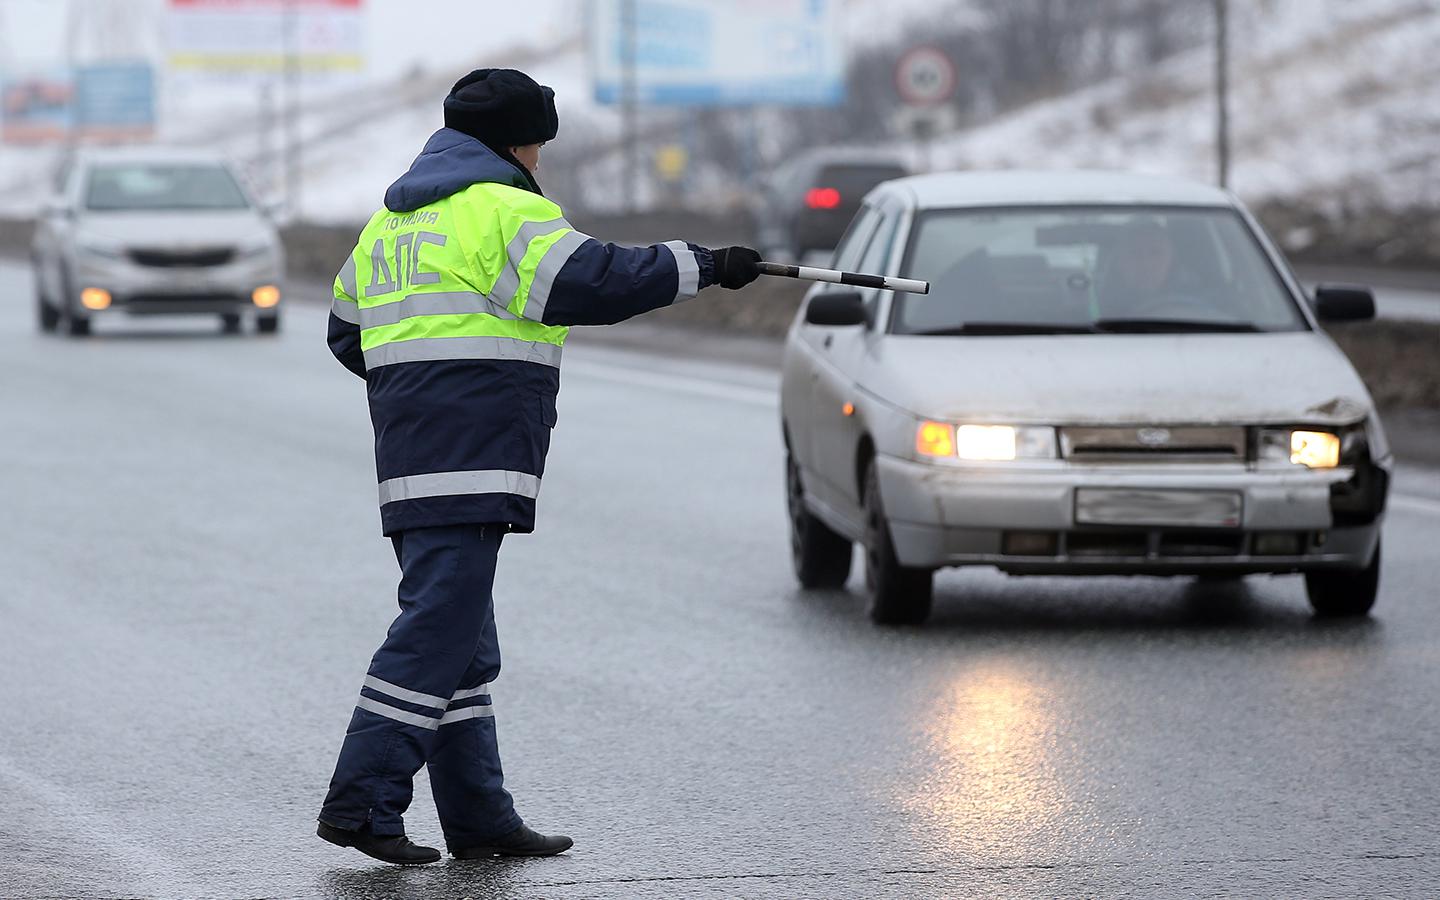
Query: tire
x=820 y=556
x=899 y=595
x=267 y=324
x=1342 y=594
x=230 y=323
x=77 y=326
x=47 y=316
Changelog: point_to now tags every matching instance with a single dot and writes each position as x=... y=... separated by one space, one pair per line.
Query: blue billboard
x=115 y=101
x=700 y=53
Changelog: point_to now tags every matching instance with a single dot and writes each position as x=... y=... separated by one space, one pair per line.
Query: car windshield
x=1086 y=270
x=167 y=186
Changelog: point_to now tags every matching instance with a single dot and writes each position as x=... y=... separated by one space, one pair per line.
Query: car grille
x=1157 y=544
x=1201 y=443
x=171 y=259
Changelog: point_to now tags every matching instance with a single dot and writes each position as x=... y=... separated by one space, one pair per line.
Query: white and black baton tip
x=853 y=279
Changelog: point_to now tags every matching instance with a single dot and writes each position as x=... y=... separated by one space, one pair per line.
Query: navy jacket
x=462 y=425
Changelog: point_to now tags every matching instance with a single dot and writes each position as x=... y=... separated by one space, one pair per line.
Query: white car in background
x=1112 y=374
x=145 y=231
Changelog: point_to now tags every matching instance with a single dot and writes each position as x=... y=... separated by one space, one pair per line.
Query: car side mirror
x=837 y=309
x=1344 y=303
x=56 y=206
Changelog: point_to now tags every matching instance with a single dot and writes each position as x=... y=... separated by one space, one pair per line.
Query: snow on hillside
x=1332 y=100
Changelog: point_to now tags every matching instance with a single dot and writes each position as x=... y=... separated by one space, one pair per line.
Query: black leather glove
x=736 y=267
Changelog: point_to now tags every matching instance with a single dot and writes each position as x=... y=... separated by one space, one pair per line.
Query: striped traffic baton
x=808 y=273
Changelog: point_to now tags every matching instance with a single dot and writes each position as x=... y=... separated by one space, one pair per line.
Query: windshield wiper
x=1172 y=326
x=1008 y=328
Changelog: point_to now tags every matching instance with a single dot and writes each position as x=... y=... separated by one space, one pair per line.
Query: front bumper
x=145 y=290
x=1022 y=518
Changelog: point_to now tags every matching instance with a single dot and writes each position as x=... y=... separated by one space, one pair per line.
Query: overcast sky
x=400 y=33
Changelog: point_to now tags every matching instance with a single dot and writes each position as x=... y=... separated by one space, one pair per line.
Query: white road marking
x=664 y=380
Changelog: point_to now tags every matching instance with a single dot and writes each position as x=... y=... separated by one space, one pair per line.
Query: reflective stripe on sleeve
x=689 y=268
x=347 y=278
x=451 y=303
x=450 y=484
x=399 y=715
x=470 y=692
x=555 y=258
x=346 y=311
x=508 y=283
x=465 y=713
x=399 y=693
x=444 y=348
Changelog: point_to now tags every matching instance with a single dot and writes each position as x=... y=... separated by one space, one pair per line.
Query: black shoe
x=390 y=848
x=520 y=842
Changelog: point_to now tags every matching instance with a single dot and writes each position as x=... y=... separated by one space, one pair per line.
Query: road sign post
x=926 y=80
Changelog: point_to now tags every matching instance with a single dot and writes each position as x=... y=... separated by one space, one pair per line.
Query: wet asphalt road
x=193 y=582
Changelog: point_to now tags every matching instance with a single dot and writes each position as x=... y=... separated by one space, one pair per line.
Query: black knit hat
x=502 y=108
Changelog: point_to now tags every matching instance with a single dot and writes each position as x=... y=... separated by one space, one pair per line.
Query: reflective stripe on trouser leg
x=440 y=652
x=465 y=775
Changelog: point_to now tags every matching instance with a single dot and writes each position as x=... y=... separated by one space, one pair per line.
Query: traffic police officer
x=454 y=307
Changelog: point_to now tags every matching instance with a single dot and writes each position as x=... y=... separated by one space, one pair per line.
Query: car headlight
x=1312 y=449
x=978 y=443
x=105 y=251
x=252 y=251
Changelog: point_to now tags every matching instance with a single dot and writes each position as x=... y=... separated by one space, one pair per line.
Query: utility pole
x=1222 y=91
x=630 y=102
x=292 y=109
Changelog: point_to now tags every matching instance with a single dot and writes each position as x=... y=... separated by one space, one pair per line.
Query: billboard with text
x=700 y=53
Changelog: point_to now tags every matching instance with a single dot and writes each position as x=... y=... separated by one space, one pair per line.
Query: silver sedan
x=141 y=231
x=1112 y=374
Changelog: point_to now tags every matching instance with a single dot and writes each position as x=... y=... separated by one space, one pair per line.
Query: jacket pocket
x=548 y=414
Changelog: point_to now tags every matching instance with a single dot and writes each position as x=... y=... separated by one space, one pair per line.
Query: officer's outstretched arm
x=344 y=336
x=577 y=280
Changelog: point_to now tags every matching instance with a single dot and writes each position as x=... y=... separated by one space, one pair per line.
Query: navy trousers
x=426 y=699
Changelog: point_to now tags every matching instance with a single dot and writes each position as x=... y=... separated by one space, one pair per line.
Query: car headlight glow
x=992 y=442
x=985 y=443
x=1315 y=449
x=935 y=439
x=1300 y=447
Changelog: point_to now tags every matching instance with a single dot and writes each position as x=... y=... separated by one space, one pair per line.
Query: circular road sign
x=925 y=76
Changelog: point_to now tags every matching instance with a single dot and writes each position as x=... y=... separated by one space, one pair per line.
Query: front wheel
x=47 y=316
x=899 y=595
x=267 y=324
x=1344 y=594
x=821 y=557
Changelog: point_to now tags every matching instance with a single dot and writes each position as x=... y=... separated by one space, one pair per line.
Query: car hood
x=170 y=229
x=1299 y=377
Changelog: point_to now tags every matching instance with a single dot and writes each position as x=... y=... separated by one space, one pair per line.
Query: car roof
x=1015 y=187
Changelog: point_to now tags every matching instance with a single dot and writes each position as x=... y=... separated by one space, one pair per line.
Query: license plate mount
x=1159 y=508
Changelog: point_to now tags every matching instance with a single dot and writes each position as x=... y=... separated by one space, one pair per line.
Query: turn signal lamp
x=1315 y=449
x=95 y=298
x=935 y=439
x=822 y=198
x=993 y=442
x=266 y=296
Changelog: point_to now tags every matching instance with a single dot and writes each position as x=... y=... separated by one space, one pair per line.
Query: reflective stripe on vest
x=453 y=348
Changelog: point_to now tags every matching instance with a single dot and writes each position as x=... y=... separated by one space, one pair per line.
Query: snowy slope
x=1333 y=99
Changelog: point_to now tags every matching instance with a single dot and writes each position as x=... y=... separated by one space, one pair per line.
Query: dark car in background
x=143 y=231
x=807 y=204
